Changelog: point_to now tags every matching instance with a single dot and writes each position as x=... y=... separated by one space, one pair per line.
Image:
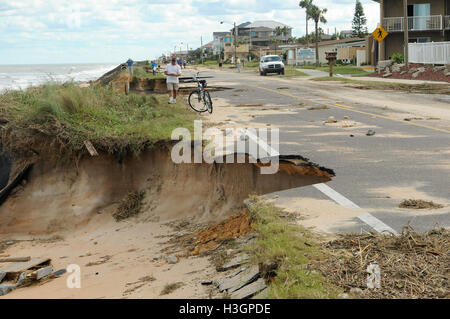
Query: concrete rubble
x=20 y=274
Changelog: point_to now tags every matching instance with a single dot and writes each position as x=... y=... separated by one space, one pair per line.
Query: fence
x=430 y=53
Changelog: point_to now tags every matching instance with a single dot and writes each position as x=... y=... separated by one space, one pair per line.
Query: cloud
x=113 y=30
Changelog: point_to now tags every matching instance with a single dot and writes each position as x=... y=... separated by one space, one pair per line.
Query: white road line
x=338 y=198
x=271 y=152
x=367 y=218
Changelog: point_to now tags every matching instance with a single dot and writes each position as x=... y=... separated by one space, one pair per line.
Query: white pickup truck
x=271 y=64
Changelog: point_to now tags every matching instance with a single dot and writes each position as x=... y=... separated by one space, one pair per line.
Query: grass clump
x=337 y=69
x=130 y=205
x=71 y=115
x=386 y=85
x=284 y=252
x=290 y=72
x=139 y=73
x=169 y=288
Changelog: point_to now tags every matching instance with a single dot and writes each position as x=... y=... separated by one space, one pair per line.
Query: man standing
x=130 y=66
x=173 y=72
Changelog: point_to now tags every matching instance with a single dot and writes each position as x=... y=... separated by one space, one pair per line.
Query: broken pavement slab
x=250 y=290
x=240 y=280
x=6 y=289
x=13 y=270
x=234 y=263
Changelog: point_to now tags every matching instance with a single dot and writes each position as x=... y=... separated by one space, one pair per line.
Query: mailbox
x=331 y=57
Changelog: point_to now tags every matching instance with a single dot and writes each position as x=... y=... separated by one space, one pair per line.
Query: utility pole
x=250 y=47
x=235 y=44
x=201 y=46
x=405 y=31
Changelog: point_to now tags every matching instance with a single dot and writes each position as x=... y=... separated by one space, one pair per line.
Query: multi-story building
x=261 y=33
x=218 y=41
x=428 y=21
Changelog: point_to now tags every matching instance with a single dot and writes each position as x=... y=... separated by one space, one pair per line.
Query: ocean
x=17 y=77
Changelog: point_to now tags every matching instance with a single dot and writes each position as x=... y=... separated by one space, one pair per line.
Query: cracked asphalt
x=404 y=159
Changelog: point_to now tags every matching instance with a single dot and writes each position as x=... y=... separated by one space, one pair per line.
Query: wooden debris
x=13 y=270
x=14 y=259
x=41 y=273
x=91 y=149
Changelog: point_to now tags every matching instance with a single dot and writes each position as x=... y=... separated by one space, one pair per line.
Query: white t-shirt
x=173 y=69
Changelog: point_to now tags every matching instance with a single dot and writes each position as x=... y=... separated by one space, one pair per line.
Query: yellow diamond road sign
x=380 y=34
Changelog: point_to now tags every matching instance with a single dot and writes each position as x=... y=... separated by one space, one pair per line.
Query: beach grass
x=285 y=252
x=111 y=121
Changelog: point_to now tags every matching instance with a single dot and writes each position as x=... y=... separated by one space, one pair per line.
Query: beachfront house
x=428 y=21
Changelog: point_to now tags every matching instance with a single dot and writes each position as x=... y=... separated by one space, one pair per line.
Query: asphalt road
x=404 y=159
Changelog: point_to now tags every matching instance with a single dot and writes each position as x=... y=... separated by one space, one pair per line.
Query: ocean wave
x=22 y=77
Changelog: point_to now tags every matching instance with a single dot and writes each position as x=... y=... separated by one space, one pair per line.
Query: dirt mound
x=61 y=198
x=233 y=227
x=412 y=265
x=419 y=204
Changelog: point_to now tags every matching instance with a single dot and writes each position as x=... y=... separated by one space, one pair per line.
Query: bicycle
x=200 y=100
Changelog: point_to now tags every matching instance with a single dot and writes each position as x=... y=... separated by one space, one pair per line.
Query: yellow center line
x=352 y=109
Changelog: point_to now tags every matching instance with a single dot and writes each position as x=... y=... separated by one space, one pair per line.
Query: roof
x=243 y=25
x=267 y=24
x=220 y=34
x=324 y=43
x=341 y=41
x=259 y=29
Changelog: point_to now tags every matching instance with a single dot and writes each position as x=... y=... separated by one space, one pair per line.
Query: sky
x=103 y=31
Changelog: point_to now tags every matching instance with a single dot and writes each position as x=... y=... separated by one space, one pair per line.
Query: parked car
x=271 y=64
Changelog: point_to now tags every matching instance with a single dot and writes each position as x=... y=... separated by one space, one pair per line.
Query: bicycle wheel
x=196 y=102
x=208 y=102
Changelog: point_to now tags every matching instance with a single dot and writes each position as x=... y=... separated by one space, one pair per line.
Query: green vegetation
x=286 y=251
x=398 y=58
x=385 y=85
x=337 y=69
x=71 y=115
x=359 y=23
x=139 y=73
x=291 y=71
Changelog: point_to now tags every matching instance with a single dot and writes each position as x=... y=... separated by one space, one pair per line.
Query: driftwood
x=14 y=259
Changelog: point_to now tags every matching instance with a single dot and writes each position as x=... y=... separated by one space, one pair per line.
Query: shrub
x=398 y=58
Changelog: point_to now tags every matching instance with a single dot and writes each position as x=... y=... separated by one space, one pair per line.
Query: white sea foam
x=16 y=77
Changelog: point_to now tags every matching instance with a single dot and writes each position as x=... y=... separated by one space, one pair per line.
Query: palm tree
x=306 y=4
x=318 y=15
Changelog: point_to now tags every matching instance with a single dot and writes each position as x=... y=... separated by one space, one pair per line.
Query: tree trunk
x=317 y=43
x=307 y=36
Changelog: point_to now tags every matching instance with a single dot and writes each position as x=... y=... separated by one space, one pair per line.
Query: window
x=272 y=59
x=420 y=40
x=420 y=12
x=254 y=34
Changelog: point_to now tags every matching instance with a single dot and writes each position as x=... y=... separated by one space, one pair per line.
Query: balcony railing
x=447 y=22
x=414 y=23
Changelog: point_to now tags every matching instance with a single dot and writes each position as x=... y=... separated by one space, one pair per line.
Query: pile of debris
x=412 y=265
x=245 y=281
x=419 y=204
x=238 y=225
x=25 y=271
